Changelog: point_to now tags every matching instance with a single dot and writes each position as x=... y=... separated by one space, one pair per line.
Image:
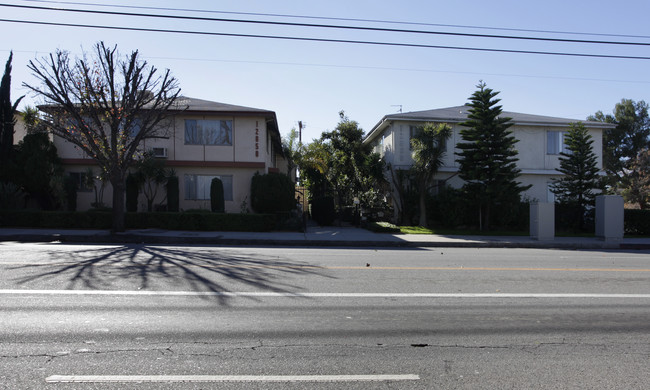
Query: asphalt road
x=269 y=318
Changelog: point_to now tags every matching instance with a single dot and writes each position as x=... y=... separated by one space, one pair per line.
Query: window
x=80 y=179
x=134 y=127
x=208 y=132
x=555 y=142
x=197 y=187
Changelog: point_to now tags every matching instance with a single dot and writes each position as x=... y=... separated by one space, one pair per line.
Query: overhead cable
x=307 y=39
x=327 y=26
x=343 y=19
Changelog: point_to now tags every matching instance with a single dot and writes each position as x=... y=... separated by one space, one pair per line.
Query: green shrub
x=637 y=222
x=217 y=200
x=173 y=197
x=322 y=210
x=156 y=220
x=448 y=209
x=272 y=193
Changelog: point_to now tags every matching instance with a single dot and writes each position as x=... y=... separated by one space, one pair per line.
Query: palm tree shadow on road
x=148 y=267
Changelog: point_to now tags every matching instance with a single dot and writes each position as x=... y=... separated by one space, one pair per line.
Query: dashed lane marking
x=226 y=378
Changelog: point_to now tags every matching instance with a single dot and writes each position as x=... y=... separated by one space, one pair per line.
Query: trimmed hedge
x=172 y=221
x=217 y=200
x=637 y=222
x=272 y=193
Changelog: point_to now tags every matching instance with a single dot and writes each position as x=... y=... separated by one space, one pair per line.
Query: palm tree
x=428 y=145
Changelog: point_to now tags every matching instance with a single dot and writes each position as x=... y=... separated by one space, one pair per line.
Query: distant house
x=541 y=140
x=205 y=140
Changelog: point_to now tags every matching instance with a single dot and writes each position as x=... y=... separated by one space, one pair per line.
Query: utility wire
x=342 y=19
x=294 y=38
x=368 y=67
x=327 y=26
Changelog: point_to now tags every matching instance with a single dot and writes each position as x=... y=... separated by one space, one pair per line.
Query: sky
x=313 y=81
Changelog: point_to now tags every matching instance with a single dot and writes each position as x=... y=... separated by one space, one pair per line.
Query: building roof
x=459 y=114
x=200 y=105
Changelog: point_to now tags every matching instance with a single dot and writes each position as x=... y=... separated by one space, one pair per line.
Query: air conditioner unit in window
x=160 y=152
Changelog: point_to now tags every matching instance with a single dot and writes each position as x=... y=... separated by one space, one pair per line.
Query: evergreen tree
x=7 y=121
x=580 y=169
x=217 y=201
x=487 y=157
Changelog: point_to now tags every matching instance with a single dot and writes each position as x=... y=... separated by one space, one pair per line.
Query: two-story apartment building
x=204 y=140
x=540 y=144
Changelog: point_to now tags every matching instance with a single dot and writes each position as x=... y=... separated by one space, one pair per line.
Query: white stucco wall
x=537 y=166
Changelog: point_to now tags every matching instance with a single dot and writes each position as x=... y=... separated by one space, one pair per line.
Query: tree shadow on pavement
x=156 y=268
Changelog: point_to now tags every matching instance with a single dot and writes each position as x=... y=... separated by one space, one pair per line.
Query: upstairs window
x=555 y=142
x=208 y=132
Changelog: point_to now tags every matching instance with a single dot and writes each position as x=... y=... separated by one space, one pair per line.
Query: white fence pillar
x=542 y=221
x=609 y=217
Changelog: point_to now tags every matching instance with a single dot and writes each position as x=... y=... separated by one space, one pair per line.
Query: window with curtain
x=555 y=142
x=208 y=132
x=197 y=187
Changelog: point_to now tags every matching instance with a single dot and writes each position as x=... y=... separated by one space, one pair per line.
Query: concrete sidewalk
x=315 y=236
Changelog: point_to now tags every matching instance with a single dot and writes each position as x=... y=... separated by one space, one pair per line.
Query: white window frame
x=555 y=143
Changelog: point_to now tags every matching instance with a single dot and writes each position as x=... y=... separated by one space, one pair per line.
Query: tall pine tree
x=7 y=121
x=487 y=157
x=580 y=169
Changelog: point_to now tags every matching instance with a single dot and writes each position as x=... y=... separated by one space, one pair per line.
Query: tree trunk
x=119 y=186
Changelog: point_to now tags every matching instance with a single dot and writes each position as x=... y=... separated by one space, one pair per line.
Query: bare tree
x=106 y=105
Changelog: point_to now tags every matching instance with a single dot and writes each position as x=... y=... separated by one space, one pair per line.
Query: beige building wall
x=252 y=151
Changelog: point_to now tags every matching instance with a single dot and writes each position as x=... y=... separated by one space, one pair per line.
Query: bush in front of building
x=272 y=193
x=217 y=199
x=637 y=222
x=173 y=196
x=160 y=220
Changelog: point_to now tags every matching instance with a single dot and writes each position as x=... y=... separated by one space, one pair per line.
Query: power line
x=328 y=40
x=344 y=19
x=368 y=67
x=379 y=68
x=327 y=26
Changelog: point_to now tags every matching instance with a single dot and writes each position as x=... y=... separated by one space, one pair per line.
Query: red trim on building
x=180 y=163
x=274 y=170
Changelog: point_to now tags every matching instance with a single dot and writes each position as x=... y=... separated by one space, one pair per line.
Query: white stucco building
x=540 y=143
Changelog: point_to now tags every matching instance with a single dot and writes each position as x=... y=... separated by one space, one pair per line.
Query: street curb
x=220 y=240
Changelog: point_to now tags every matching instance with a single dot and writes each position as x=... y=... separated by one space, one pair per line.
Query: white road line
x=317 y=295
x=226 y=378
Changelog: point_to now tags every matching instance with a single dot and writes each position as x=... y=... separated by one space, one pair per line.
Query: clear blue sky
x=313 y=81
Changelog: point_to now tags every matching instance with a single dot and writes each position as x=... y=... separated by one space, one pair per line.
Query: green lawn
x=385 y=227
x=459 y=232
